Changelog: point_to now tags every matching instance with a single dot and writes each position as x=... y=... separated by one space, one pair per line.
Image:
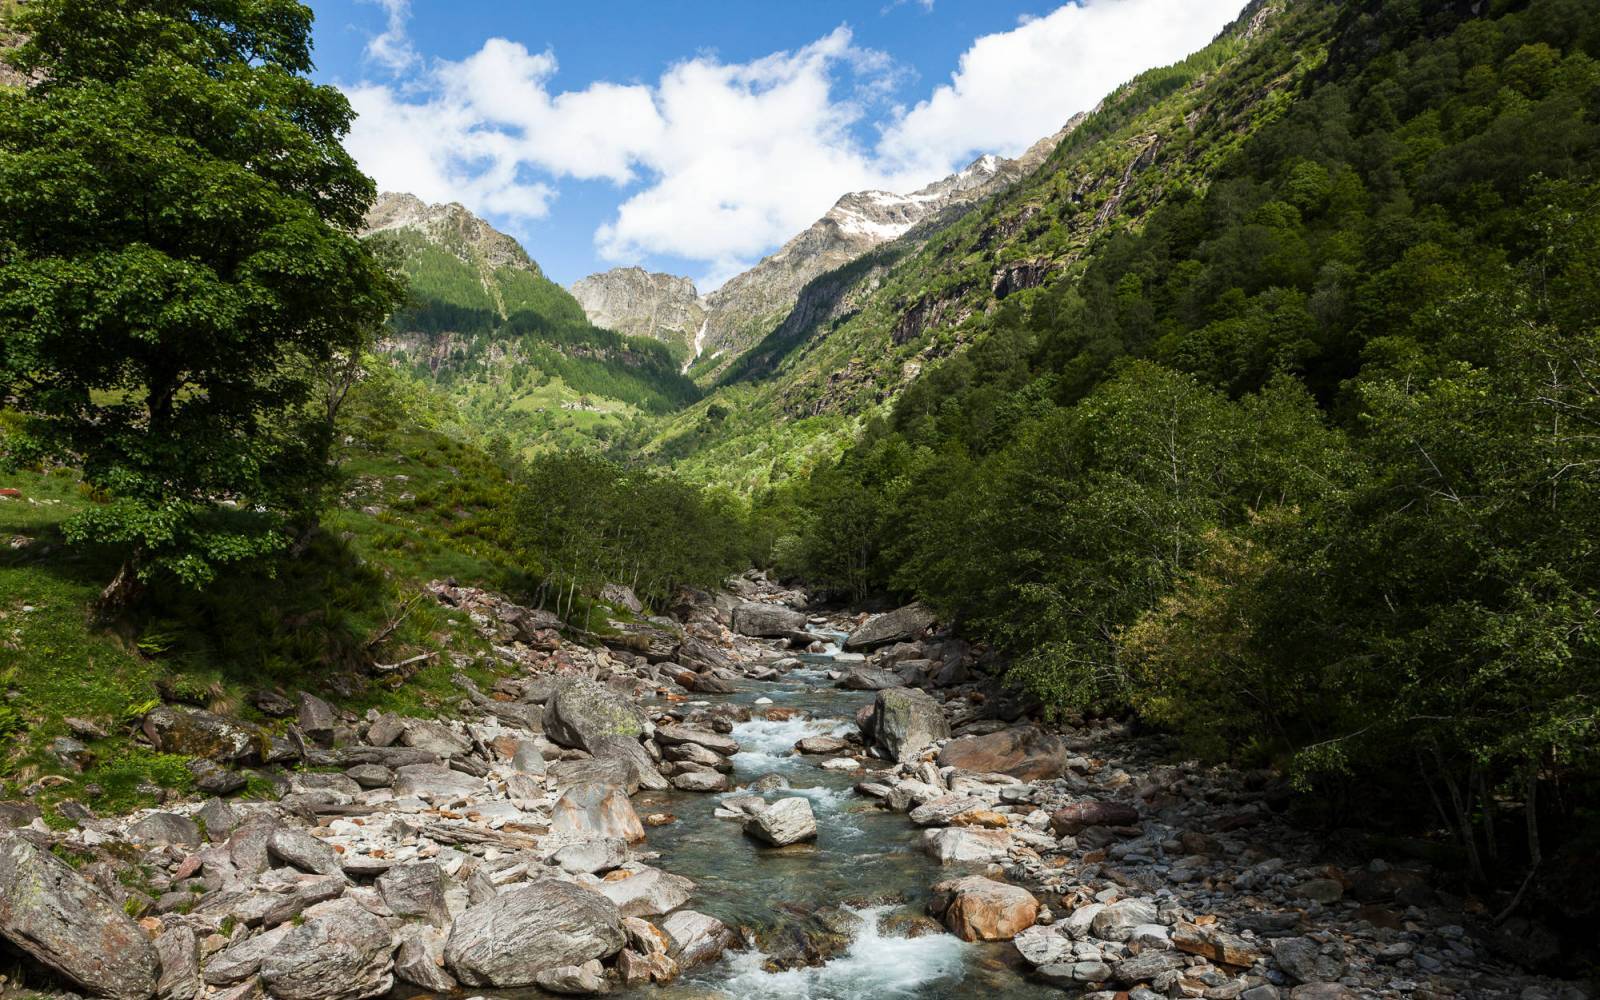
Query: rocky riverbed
x=741 y=801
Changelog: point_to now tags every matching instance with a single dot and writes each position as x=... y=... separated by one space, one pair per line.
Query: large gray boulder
x=767 y=621
x=701 y=656
x=590 y=811
x=696 y=938
x=631 y=753
x=901 y=625
x=420 y=958
x=49 y=911
x=905 y=720
x=580 y=711
x=647 y=892
x=296 y=847
x=341 y=952
x=178 y=951
x=416 y=890
x=870 y=679
x=510 y=939
x=785 y=822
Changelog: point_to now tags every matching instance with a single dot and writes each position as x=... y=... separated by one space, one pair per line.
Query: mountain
x=512 y=349
x=635 y=302
x=716 y=330
x=841 y=347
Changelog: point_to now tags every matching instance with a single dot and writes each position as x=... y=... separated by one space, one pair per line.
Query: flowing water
x=865 y=859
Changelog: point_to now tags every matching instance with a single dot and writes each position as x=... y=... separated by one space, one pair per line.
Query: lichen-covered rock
x=580 y=711
x=50 y=911
x=905 y=720
x=194 y=733
x=510 y=939
x=341 y=952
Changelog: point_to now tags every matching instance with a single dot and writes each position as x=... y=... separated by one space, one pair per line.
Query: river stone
x=869 y=679
x=573 y=980
x=416 y=890
x=242 y=960
x=194 y=733
x=952 y=845
x=647 y=892
x=767 y=621
x=902 y=625
x=694 y=753
x=905 y=720
x=1024 y=752
x=341 y=952
x=823 y=746
x=580 y=710
x=165 y=830
x=599 y=854
x=1044 y=945
x=178 y=954
x=700 y=781
x=1073 y=819
x=641 y=770
x=701 y=656
x=307 y=853
x=434 y=781
x=1117 y=921
x=940 y=811
x=697 y=938
x=596 y=810
x=1208 y=942
x=50 y=911
x=715 y=742
x=420 y=959
x=784 y=822
x=981 y=909
x=510 y=939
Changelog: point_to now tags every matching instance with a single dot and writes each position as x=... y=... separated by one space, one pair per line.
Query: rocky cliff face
x=451 y=227
x=635 y=302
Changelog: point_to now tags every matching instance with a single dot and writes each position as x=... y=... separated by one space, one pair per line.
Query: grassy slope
x=808 y=393
x=305 y=628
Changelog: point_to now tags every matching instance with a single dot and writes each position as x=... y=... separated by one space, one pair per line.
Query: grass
x=419 y=505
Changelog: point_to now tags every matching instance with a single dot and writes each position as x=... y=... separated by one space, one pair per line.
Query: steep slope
x=636 y=303
x=859 y=334
x=513 y=349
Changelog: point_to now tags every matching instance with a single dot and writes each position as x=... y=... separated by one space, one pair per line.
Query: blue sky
x=696 y=137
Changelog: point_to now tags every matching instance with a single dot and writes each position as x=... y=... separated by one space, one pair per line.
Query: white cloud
x=393 y=49
x=720 y=162
x=1015 y=87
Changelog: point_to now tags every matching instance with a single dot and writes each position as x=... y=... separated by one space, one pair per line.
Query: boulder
x=596 y=810
x=297 y=847
x=825 y=746
x=67 y=924
x=767 y=621
x=510 y=939
x=416 y=890
x=214 y=779
x=621 y=597
x=641 y=770
x=371 y=775
x=316 y=717
x=1303 y=960
x=952 y=845
x=242 y=960
x=902 y=625
x=564 y=774
x=1208 y=942
x=434 y=781
x=696 y=938
x=701 y=656
x=700 y=781
x=165 y=830
x=573 y=980
x=869 y=679
x=646 y=892
x=905 y=720
x=784 y=822
x=341 y=952
x=715 y=742
x=1073 y=819
x=178 y=952
x=586 y=857
x=1117 y=920
x=980 y=909
x=194 y=733
x=580 y=711
x=420 y=959
x=1044 y=945
x=1024 y=752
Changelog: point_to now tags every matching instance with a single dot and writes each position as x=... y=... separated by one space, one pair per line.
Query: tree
x=177 y=266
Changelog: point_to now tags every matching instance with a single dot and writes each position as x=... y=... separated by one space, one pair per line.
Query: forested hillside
x=1304 y=465
x=484 y=326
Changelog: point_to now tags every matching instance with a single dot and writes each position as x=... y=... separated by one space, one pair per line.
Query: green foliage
x=1304 y=468
x=592 y=522
x=176 y=268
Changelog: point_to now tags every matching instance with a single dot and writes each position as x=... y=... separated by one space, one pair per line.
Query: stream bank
x=583 y=828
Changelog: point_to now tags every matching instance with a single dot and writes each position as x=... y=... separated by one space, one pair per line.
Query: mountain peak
x=450 y=226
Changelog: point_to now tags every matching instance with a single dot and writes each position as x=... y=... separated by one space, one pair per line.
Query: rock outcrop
x=637 y=303
x=510 y=939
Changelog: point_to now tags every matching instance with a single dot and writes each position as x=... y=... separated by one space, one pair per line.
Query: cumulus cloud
x=721 y=162
x=1015 y=87
x=392 y=49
